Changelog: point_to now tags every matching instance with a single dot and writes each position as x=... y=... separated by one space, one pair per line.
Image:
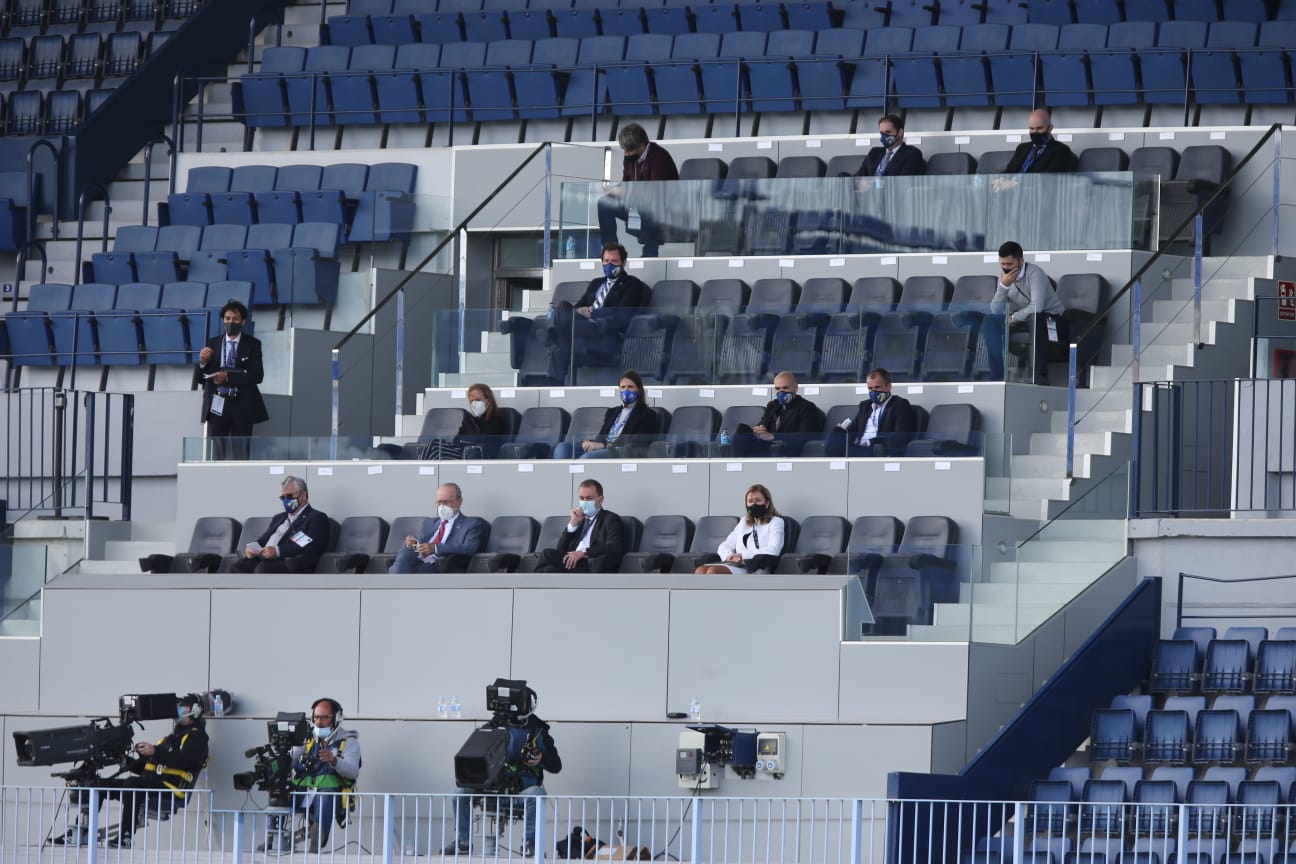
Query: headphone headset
x=195 y=703
x=333 y=703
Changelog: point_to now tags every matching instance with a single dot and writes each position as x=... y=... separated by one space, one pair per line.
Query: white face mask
x=477 y=407
x=446 y=512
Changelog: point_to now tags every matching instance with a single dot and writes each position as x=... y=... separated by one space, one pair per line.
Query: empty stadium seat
x=922 y=573
x=541 y=429
x=664 y=537
x=357 y=539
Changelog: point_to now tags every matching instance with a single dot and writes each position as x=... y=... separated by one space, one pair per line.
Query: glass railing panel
x=834 y=215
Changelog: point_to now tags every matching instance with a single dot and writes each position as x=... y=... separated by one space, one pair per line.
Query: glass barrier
x=954 y=213
x=23 y=568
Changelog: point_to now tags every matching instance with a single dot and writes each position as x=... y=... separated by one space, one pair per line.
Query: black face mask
x=1039 y=139
x=233 y=329
x=756 y=511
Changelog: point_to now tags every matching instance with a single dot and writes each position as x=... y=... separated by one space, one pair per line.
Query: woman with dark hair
x=485 y=426
x=755 y=540
x=627 y=422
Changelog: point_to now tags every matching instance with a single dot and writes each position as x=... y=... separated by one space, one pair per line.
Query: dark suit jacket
x=794 y=424
x=1057 y=158
x=907 y=161
x=313 y=523
x=607 y=543
x=896 y=428
x=464 y=540
x=627 y=297
x=642 y=421
x=247 y=373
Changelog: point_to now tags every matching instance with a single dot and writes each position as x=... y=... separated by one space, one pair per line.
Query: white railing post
x=695 y=833
x=239 y=823
x=857 y=828
x=92 y=825
x=389 y=829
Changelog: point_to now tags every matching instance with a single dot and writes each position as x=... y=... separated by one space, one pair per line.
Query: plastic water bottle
x=218 y=705
x=549 y=314
x=442 y=710
x=695 y=710
x=724 y=436
x=456 y=710
x=569 y=248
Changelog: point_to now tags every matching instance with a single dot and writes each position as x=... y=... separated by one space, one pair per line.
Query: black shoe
x=121 y=841
x=528 y=849
x=75 y=836
x=455 y=848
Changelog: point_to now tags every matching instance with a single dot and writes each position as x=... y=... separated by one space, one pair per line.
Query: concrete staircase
x=1069 y=554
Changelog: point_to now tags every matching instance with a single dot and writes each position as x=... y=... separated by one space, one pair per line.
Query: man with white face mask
x=324 y=770
x=445 y=544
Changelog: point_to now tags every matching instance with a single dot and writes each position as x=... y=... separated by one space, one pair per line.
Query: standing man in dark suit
x=296 y=538
x=894 y=158
x=231 y=368
x=450 y=540
x=643 y=161
x=789 y=421
x=1042 y=154
x=594 y=541
x=593 y=327
x=884 y=424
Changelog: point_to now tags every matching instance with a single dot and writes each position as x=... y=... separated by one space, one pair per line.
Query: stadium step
x=1217 y=288
x=1172 y=354
x=132 y=550
x=1053 y=443
x=1113 y=420
x=1179 y=310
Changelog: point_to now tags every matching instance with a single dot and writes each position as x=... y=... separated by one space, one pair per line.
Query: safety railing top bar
x=1133 y=287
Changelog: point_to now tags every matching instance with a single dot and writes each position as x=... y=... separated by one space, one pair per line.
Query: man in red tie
x=445 y=544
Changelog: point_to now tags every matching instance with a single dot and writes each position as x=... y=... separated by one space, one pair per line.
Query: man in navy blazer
x=894 y=158
x=884 y=425
x=296 y=538
x=445 y=544
x=590 y=331
x=232 y=371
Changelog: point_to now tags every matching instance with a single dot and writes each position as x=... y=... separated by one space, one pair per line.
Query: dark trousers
x=292 y=564
x=611 y=209
x=551 y=561
x=1034 y=337
x=136 y=794
x=229 y=435
x=572 y=334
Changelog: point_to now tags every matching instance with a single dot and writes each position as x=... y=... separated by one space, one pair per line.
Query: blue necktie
x=602 y=295
x=1035 y=151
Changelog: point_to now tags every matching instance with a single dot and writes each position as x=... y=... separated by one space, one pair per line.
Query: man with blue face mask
x=594 y=541
x=295 y=540
x=589 y=331
x=894 y=158
x=789 y=421
x=883 y=426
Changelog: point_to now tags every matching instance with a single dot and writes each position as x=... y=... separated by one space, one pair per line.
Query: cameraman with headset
x=531 y=752
x=324 y=770
x=172 y=764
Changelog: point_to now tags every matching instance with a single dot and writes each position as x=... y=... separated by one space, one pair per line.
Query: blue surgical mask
x=323 y=731
x=877 y=397
x=290 y=505
x=611 y=271
x=783 y=397
x=1039 y=139
x=629 y=396
x=888 y=140
x=589 y=508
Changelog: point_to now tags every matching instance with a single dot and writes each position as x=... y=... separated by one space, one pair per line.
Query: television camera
x=96 y=745
x=272 y=770
x=481 y=765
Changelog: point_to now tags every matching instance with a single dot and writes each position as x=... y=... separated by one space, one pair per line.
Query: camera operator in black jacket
x=163 y=773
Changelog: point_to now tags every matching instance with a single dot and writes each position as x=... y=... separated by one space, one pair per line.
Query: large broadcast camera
x=96 y=745
x=481 y=765
x=272 y=770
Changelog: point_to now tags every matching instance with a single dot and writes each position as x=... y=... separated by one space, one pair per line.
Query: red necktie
x=436 y=538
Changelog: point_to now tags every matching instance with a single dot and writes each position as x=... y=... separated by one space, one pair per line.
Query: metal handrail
x=82 y=200
x=20 y=265
x=148 y=170
x=31 y=184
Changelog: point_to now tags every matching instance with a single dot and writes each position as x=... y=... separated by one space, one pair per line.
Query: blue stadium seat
x=1014 y=75
x=1098 y=12
x=263 y=96
x=440 y=28
x=630 y=86
x=13 y=58
x=486 y=26
x=620 y=22
x=1227 y=668
x=583 y=23
x=530 y=24
x=917 y=80
x=307 y=93
x=586 y=81
x=354 y=92
x=1065 y=77
x=115 y=268
x=717 y=18
x=911 y=13
x=74 y=332
x=386 y=208
x=1103 y=812
x=29 y=333
x=1265 y=72
x=1269 y=737
x=393 y=29
x=119 y=331
x=813 y=16
x=765 y=17
x=823 y=78
x=1196 y=10
x=1167 y=739
x=45 y=57
x=678 y=83
x=795 y=43
x=176 y=330
x=308 y=271
x=1275 y=667
x=668 y=20
x=63 y=112
x=1147 y=10
x=866 y=16
x=1052 y=12
x=83 y=56
x=1217 y=737
x=348 y=30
